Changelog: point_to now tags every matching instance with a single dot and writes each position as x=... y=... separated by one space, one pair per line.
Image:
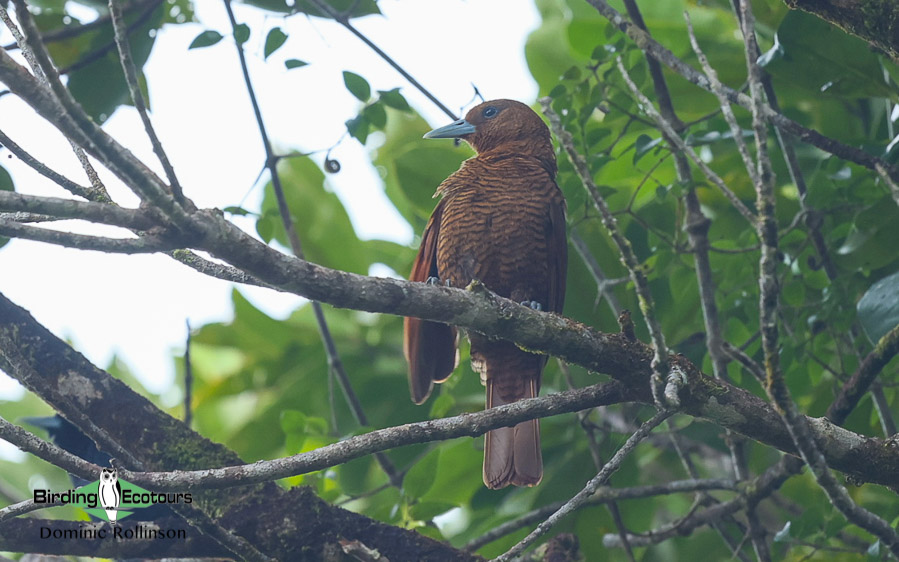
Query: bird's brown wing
x=430 y=347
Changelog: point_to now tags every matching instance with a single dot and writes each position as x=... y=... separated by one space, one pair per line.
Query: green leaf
x=878 y=309
x=644 y=144
x=358 y=127
x=294 y=63
x=357 y=85
x=393 y=98
x=241 y=33
x=870 y=241
x=874 y=550
x=240 y=211
x=784 y=534
x=573 y=73
x=820 y=57
x=6 y=183
x=322 y=222
x=99 y=85
x=273 y=41
x=206 y=39
x=420 y=477
x=376 y=115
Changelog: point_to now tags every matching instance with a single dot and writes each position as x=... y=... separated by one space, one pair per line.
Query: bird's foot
x=533 y=304
x=435 y=281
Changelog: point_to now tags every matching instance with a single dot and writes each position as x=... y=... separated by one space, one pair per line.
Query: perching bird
x=501 y=220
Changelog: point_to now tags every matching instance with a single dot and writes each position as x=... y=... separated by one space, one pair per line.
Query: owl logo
x=110 y=492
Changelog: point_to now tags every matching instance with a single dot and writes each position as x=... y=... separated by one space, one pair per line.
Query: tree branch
x=130 y=70
x=875 y=21
x=666 y=57
x=768 y=305
x=343 y=20
x=626 y=253
x=145 y=244
x=602 y=495
x=271 y=161
x=60 y=208
x=887 y=348
x=584 y=495
x=82 y=393
x=39 y=167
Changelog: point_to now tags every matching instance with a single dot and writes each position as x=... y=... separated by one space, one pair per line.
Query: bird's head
x=502 y=126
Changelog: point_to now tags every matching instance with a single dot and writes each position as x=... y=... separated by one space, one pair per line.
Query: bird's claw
x=533 y=305
x=435 y=281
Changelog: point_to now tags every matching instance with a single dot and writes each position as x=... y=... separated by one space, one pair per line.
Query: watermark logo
x=110 y=498
x=110 y=492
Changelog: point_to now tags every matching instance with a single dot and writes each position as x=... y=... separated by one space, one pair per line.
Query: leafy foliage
x=90 y=58
x=263 y=386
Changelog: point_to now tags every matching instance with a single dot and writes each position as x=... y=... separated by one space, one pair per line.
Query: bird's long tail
x=512 y=454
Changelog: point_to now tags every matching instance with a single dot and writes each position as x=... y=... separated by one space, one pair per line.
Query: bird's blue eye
x=489 y=112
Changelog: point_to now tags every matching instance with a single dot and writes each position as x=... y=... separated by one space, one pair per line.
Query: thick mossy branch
x=875 y=21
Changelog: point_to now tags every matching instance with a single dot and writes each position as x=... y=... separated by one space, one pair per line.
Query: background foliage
x=262 y=386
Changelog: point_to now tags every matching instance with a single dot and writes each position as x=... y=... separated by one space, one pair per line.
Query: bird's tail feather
x=512 y=454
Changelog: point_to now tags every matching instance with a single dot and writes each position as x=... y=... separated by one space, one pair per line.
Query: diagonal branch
x=334 y=362
x=584 y=495
x=775 y=385
x=343 y=19
x=130 y=70
x=626 y=253
x=145 y=244
x=60 y=208
x=666 y=57
x=38 y=166
x=602 y=495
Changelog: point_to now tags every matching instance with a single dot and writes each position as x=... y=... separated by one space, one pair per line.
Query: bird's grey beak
x=454 y=130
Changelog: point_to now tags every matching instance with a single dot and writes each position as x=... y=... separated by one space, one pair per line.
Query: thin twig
x=108 y=47
x=785 y=140
x=604 y=285
x=697 y=227
x=626 y=253
x=68 y=32
x=29 y=51
x=464 y=425
x=584 y=495
x=884 y=350
x=130 y=70
x=768 y=306
x=673 y=136
x=334 y=363
x=724 y=103
x=666 y=57
x=145 y=244
x=60 y=208
x=188 y=378
x=602 y=495
x=77 y=125
x=343 y=20
x=44 y=170
x=894 y=187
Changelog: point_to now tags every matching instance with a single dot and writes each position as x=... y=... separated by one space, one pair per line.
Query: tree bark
x=875 y=21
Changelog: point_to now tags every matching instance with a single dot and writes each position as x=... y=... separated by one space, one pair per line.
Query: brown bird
x=501 y=220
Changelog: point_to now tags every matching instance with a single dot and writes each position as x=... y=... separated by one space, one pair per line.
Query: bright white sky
x=136 y=306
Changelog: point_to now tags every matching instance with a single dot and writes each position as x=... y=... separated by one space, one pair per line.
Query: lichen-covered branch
x=875 y=21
